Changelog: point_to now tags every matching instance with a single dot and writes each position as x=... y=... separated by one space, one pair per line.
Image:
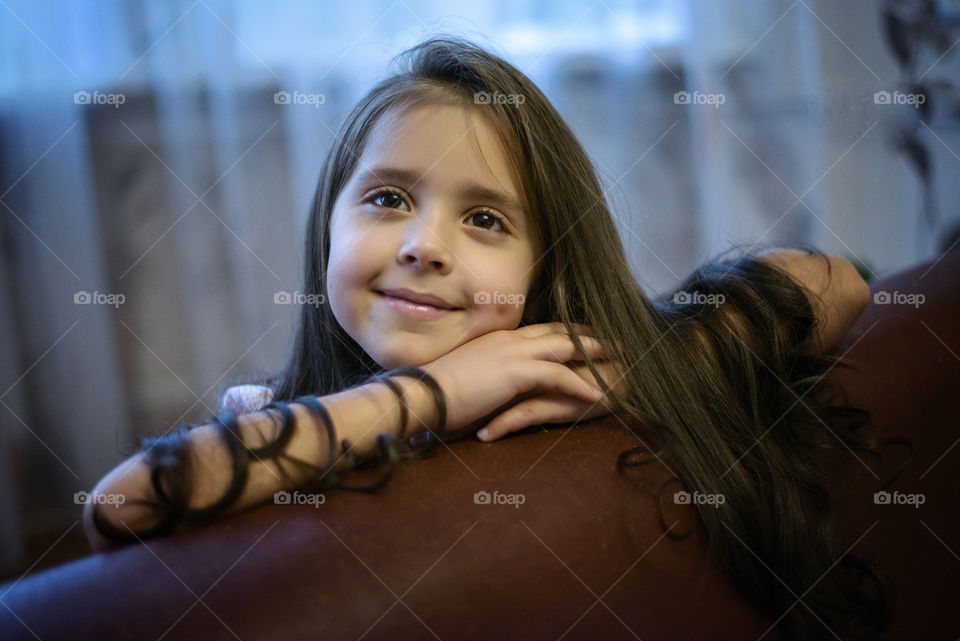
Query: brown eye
x=389 y=199
x=489 y=218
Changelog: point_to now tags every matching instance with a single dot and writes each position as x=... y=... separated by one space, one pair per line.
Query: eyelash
x=381 y=191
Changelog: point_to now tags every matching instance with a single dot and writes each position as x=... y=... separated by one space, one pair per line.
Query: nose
x=425 y=245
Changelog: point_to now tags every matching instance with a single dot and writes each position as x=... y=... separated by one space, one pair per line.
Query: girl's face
x=423 y=212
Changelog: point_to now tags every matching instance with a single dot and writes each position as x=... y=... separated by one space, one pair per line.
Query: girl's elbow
x=857 y=290
x=118 y=501
x=863 y=295
x=97 y=541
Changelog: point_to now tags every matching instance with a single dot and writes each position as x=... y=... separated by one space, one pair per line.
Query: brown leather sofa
x=421 y=559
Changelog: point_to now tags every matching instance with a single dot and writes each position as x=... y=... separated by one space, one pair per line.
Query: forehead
x=445 y=143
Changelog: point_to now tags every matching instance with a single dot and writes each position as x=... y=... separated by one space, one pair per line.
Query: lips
x=419 y=298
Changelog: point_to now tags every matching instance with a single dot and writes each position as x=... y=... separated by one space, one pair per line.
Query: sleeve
x=244 y=399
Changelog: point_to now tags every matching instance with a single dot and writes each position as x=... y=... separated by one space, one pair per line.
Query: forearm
x=839 y=294
x=358 y=414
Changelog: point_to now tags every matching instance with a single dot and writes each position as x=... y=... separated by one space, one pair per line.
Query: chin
x=407 y=357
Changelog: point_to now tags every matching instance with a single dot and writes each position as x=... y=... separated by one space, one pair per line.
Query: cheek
x=498 y=316
x=499 y=295
x=351 y=264
x=336 y=285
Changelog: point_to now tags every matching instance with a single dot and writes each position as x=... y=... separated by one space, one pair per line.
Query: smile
x=421 y=311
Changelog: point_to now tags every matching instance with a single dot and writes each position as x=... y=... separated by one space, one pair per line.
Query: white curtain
x=178 y=184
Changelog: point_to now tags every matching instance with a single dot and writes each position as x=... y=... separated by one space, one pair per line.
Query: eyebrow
x=469 y=190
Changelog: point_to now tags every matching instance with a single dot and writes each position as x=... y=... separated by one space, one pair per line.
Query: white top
x=244 y=399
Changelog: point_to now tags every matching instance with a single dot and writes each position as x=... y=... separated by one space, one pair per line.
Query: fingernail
x=598 y=392
x=483 y=434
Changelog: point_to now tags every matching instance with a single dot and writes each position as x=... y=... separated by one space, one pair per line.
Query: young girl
x=473 y=277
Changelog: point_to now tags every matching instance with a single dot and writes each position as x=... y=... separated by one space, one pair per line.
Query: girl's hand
x=483 y=375
x=557 y=408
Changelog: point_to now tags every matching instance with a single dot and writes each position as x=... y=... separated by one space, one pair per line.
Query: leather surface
x=583 y=557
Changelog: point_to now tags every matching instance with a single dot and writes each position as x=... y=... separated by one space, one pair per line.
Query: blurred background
x=155 y=180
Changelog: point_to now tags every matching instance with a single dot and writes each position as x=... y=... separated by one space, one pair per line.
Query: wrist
x=422 y=412
x=380 y=412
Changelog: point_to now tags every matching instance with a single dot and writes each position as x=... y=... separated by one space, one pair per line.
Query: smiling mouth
x=422 y=311
x=419 y=303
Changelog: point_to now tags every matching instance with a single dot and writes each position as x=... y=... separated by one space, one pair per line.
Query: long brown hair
x=710 y=410
x=718 y=379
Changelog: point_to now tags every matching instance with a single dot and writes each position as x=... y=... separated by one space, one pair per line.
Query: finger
x=556 y=378
x=538 y=411
x=540 y=329
x=612 y=372
x=580 y=329
x=556 y=327
x=612 y=399
x=561 y=348
x=535 y=411
x=586 y=331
